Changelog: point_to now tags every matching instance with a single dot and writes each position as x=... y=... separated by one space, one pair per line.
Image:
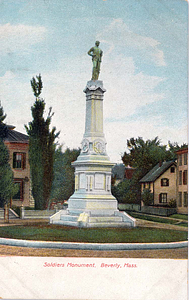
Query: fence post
x=22 y=212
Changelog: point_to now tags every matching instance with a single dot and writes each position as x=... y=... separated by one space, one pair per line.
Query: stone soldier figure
x=96 y=54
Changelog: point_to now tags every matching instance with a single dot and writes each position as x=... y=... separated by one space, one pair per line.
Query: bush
x=147 y=197
x=29 y=208
x=172 y=203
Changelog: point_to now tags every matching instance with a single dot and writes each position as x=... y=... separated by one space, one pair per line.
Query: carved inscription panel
x=99 y=181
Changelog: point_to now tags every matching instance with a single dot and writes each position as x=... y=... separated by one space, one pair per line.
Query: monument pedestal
x=92 y=204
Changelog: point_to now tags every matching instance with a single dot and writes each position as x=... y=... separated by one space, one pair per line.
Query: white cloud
x=118 y=34
x=126 y=89
x=16 y=99
x=19 y=37
x=117 y=133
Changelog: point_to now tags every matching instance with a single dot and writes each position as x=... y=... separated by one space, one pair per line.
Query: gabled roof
x=15 y=136
x=157 y=171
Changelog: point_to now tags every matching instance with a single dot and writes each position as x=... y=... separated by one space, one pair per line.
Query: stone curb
x=92 y=246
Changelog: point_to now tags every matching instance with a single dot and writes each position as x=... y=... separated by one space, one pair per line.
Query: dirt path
x=181 y=253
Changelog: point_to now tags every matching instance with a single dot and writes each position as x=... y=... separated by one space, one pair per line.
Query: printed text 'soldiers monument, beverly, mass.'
x=92 y=204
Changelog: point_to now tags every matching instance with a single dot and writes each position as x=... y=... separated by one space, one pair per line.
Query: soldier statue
x=96 y=54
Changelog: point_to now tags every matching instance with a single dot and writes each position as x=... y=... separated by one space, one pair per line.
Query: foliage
x=172 y=203
x=3 y=127
x=147 y=197
x=64 y=180
x=7 y=187
x=41 y=148
x=122 y=191
x=37 y=85
x=143 y=156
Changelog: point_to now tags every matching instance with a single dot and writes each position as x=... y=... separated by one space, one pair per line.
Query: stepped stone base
x=93 y=218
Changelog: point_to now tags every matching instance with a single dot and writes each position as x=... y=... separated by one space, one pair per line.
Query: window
x=172 y=169
x=185 y=199
x=19 y=160
x=19 y=194
x=163 y=198
x=180 y=160
x=164 y=182
x=144 y=185
x=185 y=177
x=180 y=199
x=180 y=177
x=185 y=158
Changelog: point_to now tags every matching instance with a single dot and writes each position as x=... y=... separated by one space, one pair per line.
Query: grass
x=158 y=219
x=92 y=235
x=179 y=216
x=184 y=224
x=152 y=218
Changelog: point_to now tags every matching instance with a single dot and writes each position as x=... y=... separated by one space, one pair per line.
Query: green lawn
x=91 y=235
x=152 y=218
x=179 y=216
x=184 y=224
x=158 y=219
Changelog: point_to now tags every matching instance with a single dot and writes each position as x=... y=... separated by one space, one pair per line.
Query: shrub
x=172 y=203
x=147 y=197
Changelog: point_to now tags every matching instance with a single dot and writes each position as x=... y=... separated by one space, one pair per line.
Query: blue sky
x=144 y=66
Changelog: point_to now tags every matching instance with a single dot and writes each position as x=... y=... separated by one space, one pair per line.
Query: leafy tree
x=64 y=179
x=121 y=190
x=7 y=187
x=143 y=156
x=41 y=148
x=3 y=127
x=147 y=197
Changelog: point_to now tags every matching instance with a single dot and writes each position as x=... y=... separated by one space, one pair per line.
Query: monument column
x=92 y=204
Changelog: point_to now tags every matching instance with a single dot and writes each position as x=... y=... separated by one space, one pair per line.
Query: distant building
x=161 y=180
x=121 y=172
x=18 y=147
x=182 y=181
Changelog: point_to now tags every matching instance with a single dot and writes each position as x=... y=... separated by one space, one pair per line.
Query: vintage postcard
x=94 y=149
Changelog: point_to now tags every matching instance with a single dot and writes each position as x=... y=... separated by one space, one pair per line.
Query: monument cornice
x=94 y=85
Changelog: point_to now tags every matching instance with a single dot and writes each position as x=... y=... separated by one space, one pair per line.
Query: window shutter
x=185 y=177
x=159 y=198
x=14 y=160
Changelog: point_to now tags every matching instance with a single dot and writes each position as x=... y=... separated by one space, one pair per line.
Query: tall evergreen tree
x=41 y=148
x=7 y=186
